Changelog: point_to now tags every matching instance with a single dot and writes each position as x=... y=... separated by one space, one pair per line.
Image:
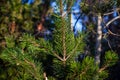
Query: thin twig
x=33 y=66
x=84 y=71
x=107 y=25
x=55 y=54
x=68 y=10
x=58 y=56
x=103 y=68
x=109 y=45
x=117 y=9
x=79 y=15
x=110 y=32
x=112 y=21
x=77 y=20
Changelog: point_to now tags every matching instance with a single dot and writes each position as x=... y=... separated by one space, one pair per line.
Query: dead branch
x=112 y=21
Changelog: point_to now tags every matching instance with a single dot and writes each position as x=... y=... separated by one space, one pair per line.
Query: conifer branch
x=30 y=64
x=63 y=33
x=33 y=66
x=63 y=43
x=84 y=71
x=69 y=6
x=72 y=52
x=103 y=68
x=58 y=56
x=55 y=54
x=61 y=7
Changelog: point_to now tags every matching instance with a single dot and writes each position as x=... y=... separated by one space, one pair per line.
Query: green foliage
x=103 y=75
x=22 y=56
x=22 y=14
x=97 y=6
x=110 y=58
x=86 y=70
x=63 y=33
x=25 y=58
x=10 y=42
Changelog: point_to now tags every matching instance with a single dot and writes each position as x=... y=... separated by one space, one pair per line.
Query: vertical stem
x=63 y=33
x=98 y=40
x=63 y=41
x=61 y=7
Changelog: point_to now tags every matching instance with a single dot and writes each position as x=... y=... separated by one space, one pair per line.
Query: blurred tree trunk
x=98 y=40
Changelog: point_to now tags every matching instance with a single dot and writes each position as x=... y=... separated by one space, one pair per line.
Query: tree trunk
x=98 y=40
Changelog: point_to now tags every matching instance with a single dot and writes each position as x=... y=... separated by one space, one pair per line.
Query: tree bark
x=98 y=41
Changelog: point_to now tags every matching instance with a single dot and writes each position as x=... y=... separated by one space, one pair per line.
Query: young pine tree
x=27 y=58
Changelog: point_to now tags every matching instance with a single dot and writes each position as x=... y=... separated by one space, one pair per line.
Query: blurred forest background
x=59 y=39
